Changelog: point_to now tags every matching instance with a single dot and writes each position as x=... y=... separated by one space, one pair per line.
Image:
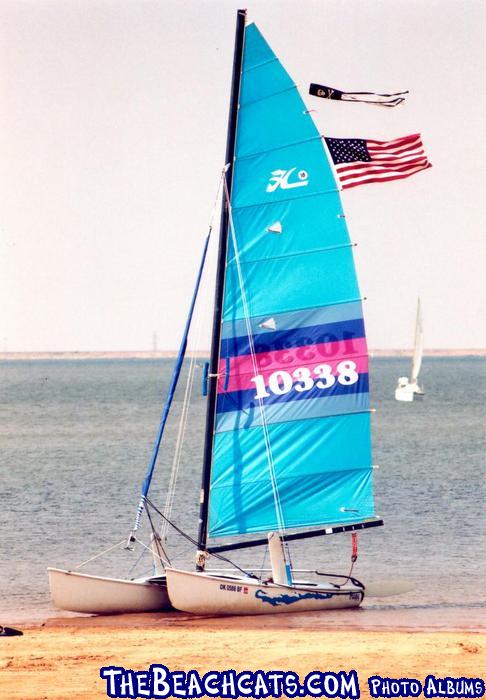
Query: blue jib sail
x=292 y=442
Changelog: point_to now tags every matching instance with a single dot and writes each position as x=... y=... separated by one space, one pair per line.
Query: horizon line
x=168 y=354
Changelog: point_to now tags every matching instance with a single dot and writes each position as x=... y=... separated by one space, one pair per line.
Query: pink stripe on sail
x=296 y=357
x=241 y=373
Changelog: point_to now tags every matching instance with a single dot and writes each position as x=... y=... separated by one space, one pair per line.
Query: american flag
x=359 y=161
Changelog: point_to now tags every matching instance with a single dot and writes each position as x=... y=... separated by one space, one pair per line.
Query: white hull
x=409 y=392
x=205 y=594
x=105 y=596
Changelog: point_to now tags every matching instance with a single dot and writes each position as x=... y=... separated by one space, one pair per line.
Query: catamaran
x=287 y=452
x=408 y=389
x=287 y=444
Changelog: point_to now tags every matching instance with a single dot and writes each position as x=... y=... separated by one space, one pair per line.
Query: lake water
x=76 y=438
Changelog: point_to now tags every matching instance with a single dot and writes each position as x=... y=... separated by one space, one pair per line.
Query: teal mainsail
x=291 y=446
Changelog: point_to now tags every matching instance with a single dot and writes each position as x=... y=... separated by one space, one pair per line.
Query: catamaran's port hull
x=205 y=594
x=100 y=595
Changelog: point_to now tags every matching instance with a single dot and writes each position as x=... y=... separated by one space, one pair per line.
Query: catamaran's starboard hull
x=204 y=594
x=105 y=596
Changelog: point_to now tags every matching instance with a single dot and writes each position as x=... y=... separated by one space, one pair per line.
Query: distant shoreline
x=168 y=354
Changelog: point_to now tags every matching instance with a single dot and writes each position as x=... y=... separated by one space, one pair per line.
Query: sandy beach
x=62 y=658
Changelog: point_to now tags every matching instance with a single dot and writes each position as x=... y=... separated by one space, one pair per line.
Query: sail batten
x=290 y=255
x=248 y=103
x=278 y=148
x=283 y=200
x=345 y=310
x=292 y=442
x=260 y=65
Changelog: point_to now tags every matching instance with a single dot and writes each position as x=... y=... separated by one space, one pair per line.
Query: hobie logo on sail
x=280 y=178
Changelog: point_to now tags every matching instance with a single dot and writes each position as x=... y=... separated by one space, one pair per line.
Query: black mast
x=218 y=298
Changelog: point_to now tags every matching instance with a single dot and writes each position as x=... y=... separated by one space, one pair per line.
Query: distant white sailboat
x=409 y=389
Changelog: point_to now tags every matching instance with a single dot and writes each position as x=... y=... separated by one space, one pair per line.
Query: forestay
x=293 y=359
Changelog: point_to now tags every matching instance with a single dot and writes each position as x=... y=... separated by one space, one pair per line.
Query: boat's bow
x=84 y=593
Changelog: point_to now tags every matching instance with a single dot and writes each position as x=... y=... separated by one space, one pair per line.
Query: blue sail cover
x=304 y=374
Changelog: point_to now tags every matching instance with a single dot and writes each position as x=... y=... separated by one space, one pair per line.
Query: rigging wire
x=173 y=385
x=271 y=464
x=170 y=496
x=100 y=554
x=262 y=568
x=161 y=553
x=149 y=549
x=195 y=543
x=135 y=564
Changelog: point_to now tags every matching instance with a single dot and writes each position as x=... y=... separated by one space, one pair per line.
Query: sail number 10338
x=305 y=379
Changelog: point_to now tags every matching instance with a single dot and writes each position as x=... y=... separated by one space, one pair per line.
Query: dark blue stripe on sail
x=243 y=400
x=295 y=337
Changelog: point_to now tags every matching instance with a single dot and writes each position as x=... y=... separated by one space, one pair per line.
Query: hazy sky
x=113 y=126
